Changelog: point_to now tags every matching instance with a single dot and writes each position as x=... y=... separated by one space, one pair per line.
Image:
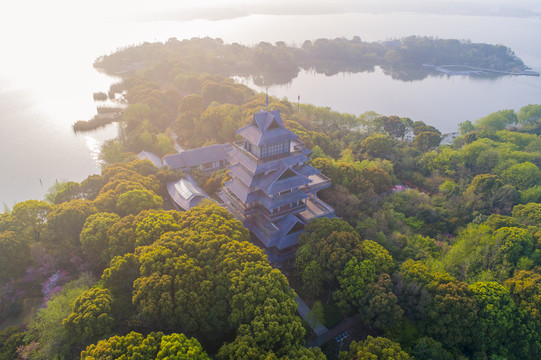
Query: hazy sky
x=39 y=12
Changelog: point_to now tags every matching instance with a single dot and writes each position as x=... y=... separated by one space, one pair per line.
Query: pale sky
x=39 y=11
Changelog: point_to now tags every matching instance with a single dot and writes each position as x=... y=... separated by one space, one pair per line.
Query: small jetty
x=100 y=120
x=474 y=71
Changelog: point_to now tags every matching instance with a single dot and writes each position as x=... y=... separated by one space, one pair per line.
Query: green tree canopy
x=118 y=278
x=94 y=239
x=428 y=348
x=529 y=113
x=378 y=255
x=68 y=218
x=525 y=288
x=378 y=348
x=206 y=279
x=152 y=224
x=497 y=121
x=137 y=200
x=33 y=216
x=377 y=145
x=130 y=346
x=479 y=252
x=354 y=278
x=496 y=316
x=11 y=339
x=452 y=315
x=91 y=316
x=330 y=243
x=427 y=140
x=65 y=223
x=178 y=346
x=378 y=305
x=122 y=237
x=394 y=126
x=528 y=214
x=513 y=243
x=522 y=176
x=379 y=179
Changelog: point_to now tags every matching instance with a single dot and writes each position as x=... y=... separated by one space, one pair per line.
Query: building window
x=274 y=149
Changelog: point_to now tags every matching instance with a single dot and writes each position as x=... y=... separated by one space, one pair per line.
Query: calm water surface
x=441 y=101
x=47 y=79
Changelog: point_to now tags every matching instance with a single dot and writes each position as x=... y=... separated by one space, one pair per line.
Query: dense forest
x=436 y=253
x=279 y=63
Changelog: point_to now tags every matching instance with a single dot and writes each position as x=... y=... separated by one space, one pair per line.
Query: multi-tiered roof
x=273 y=191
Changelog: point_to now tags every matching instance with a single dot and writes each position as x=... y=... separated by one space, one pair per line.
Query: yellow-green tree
x=137 y=200
x=91 y=316
x=378 y=348
x=94 y=239
x=33 y=216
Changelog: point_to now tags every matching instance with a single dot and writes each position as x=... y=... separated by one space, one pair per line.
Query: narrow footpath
x=303 y=309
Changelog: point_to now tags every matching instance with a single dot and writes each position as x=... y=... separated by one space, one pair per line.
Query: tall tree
x=94 y=240
x=378 y=348
x=378 y=305
x=329 y=242
x=91 y=316
x=354 y=278
x=496 y=317
x=33 y=216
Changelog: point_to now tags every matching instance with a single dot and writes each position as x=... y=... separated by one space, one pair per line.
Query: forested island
x=435 y=253
x=280 y=63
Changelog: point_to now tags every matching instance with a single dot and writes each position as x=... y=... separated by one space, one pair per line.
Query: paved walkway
x=304 y=311
x=178 y=148
x=346 y=324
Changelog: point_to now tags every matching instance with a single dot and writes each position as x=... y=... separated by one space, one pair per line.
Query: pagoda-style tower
x=273 y=191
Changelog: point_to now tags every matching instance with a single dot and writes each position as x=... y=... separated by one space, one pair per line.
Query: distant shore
x=525 y=71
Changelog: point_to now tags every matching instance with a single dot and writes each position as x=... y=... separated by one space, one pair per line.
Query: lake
x=47 y=79
x=442 y=101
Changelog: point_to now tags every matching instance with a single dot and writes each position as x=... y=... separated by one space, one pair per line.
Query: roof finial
x=267 y=100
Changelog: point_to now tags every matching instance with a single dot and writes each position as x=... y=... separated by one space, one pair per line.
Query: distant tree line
x=280 y=63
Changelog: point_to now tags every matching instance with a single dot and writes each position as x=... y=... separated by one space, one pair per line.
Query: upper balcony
x=282 y=211
x=316 y=208
x=318 y=182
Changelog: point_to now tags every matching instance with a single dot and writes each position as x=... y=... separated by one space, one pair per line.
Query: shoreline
x=478 y=71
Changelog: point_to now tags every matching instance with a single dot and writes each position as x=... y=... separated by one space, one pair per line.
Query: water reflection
x=405 y=74
x=437 y=99
x=94 y=145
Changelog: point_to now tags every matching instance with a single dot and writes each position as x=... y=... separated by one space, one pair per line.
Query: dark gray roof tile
x=195 y=157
